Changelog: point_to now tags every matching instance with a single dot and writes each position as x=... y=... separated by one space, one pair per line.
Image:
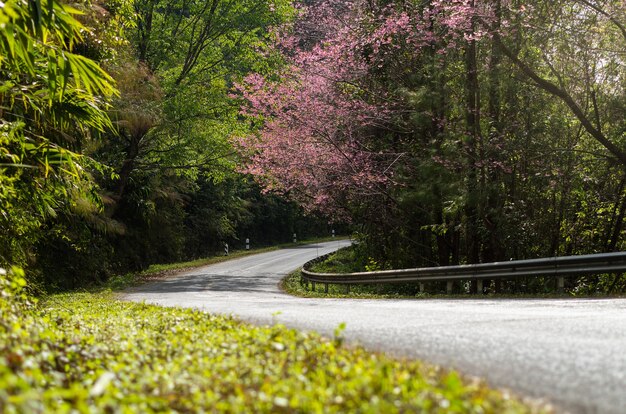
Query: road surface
x=571 y=352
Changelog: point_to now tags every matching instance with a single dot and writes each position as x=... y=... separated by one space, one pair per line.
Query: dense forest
x=115 y=151
x=453 y=132
x=442 y=132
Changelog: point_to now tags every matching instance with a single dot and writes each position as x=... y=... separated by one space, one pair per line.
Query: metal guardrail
x=558 y=267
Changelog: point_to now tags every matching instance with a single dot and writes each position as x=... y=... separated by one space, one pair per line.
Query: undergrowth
x=346 y=260
x=349 y=260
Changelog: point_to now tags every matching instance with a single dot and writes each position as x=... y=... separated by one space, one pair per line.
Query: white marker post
x=333 y=232
x=295 y=239
x=247 y=244
x=225 y=249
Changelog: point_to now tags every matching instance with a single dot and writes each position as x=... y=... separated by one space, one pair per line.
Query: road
x=571 y=352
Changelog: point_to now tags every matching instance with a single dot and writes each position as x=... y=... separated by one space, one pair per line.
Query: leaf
x=101 y=384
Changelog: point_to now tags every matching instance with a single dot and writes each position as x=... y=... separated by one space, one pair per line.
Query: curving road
x=571 y=352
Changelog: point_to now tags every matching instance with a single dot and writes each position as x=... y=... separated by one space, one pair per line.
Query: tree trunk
x=619 y=220
x=492 y=249
x=144 y=29
x=471 y=148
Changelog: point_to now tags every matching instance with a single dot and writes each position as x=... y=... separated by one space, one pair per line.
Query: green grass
x=342 y=261
x=345 y=261
x=292 y=284
x=87 y=352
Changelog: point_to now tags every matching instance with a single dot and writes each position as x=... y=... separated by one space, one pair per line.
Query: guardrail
x=558 y=267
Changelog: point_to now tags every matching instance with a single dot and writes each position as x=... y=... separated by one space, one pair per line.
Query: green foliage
x=347 y=260
x=344 y=260
x=52 y=103
x=170 y=192
x=535 y=184
x=350 y=259
x=193 y=51
x=88 y=352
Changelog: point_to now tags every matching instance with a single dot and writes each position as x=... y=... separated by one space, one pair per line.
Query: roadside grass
x=292 y=285
x=344 y=261
x=159 y=271
x=87 y=352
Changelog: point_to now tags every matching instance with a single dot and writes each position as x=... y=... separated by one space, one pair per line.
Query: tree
x=53 y=103
x=591 y=47
x=467 y=160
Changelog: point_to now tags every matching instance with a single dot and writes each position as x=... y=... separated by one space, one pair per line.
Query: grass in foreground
x=87 y=352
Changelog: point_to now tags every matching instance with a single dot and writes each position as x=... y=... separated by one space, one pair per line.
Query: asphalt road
x=571 y=352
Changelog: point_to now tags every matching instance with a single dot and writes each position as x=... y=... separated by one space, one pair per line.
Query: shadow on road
x=211 y=282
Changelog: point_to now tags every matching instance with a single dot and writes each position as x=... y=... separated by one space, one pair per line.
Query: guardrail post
x=325 y=287
x=560 y=284
x=313 y=286
x=448 y=287
x=479 y=286
x=422 y=288
x=347 y=289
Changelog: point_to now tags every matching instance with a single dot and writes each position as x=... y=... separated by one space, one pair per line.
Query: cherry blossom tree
x=427 y=120
x=325 y=118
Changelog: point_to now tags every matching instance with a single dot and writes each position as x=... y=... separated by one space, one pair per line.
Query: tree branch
x=555 y=90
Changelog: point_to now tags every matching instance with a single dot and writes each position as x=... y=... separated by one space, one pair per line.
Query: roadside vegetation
x=352 y=259
x=448 y=132
x=141 y=132
x=114 y=139
x=88 y=352
x=293 y=285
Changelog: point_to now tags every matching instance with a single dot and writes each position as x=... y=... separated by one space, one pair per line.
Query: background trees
x=178 y=193
x=444 y=132
x=96 y=180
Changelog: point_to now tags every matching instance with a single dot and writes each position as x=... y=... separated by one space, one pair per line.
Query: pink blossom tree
x=412 y=116
x=327 y=116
